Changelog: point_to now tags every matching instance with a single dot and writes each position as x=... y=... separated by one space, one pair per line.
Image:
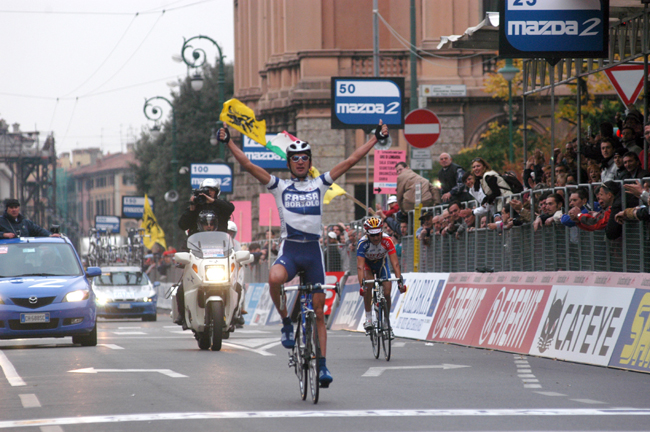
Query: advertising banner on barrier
x=330 y=279
x=258 y=303
x=350 y=311
x=500 y=313
x=633 y=348
x=582 y=323
x=413 y=312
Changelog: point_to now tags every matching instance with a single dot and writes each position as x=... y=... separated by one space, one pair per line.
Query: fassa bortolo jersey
x=300 y=205
x=378 y=252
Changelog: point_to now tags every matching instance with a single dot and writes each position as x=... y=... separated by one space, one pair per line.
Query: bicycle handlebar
x=380 y=280
x=310 y=287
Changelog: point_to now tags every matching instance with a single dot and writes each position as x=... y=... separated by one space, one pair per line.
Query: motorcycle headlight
x=216 y=273
x=76 y=296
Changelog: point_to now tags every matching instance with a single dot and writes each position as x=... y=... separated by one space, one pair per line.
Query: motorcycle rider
x=207 y=221
x=240 y=288
x=222 y=209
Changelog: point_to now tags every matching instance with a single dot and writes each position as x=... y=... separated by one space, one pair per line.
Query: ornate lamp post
x=155 y=113
x=509 y=72
x=198 y=59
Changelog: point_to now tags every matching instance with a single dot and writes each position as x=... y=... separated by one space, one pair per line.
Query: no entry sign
x=421 y=128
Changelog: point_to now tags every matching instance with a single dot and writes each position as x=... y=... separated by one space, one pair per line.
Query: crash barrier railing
x=521 y=248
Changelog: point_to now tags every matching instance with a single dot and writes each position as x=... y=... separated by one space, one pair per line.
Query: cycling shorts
x=379 y=268
x=302 y=256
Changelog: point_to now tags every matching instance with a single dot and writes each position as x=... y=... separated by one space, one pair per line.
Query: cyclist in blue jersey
x=372 y=251
x=300 y=205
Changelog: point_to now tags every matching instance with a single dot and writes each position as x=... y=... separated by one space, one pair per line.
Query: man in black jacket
x=451 y=181
x=13 y=224
x=207 y=201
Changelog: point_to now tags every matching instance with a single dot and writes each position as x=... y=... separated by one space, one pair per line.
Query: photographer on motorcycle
x=206 y=198
x=207 y=220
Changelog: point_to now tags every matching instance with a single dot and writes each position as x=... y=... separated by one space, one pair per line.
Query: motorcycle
x=210 y=287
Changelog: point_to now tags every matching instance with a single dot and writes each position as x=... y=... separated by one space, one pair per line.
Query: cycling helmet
x=232 y=226
x=212 y=184
x=373 y=225
x=207 y=218
x=298 y=146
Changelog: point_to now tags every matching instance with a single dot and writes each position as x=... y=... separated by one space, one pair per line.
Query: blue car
x=125 y=292
x=44 y=291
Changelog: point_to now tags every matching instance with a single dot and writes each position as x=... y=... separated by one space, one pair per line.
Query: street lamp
x=198 y=59
x=509 y=72
x=155 y=113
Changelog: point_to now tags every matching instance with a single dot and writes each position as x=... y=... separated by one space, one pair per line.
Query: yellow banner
x=238 y=116
x=153 y=233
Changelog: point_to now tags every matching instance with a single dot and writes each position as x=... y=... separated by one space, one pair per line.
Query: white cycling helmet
x=213 y=184
x=298 y=146
x=232 y=226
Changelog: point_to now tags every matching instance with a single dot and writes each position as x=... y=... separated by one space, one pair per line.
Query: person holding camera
x=13 y=224
x=206 y=198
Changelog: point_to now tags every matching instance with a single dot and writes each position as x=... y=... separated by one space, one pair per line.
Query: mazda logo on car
x=33 y=300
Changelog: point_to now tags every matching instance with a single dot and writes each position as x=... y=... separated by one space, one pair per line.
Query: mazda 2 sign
x=359 y=103
x=554 y=29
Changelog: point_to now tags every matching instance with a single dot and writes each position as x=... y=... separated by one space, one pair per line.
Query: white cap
x=232 y=226
x=391 y=199
x=331 y=234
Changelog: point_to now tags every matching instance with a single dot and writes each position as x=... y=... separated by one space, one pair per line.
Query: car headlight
x=101 y=300
x=1 y=301
x=216 y=273
x=76 y=296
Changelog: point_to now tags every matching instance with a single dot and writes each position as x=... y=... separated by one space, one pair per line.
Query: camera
x=55 y=229
x=199 y=199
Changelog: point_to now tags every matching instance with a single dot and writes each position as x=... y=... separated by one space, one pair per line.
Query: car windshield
x=210 y=244
x=38 y=259
x=121 y=278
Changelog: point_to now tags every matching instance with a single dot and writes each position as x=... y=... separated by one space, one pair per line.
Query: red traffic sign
x=421 y=128
x=627 y=80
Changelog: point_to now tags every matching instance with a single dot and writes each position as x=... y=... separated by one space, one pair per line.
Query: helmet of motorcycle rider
x=207 y=221
x=232 y=227
x=212 y=184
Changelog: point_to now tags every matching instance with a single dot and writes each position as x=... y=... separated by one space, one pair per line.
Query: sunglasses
x=374 y=235
x=303 y=158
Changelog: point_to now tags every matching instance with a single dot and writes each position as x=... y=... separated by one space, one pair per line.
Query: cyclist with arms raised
x=372 y=250
x=300 y=205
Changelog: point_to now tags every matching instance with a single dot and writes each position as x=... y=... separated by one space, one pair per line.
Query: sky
x=82 y=69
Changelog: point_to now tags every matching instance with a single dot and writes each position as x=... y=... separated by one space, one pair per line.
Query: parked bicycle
x=305 y=355
x=381 y=333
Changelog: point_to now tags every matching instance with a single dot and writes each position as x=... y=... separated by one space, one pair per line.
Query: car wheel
x=87 y=340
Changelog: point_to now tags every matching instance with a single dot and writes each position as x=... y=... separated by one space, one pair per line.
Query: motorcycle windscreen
x=210 y=244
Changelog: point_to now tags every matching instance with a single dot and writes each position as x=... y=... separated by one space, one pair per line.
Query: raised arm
x=259 y=173
x=355 y=157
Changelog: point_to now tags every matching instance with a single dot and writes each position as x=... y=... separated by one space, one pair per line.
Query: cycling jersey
x=300 y=205
x=375 y=255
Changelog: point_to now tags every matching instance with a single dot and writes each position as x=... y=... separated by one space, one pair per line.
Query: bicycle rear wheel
x=301 y=369
x=313 y=354
x=385 y=325
x=375 y=333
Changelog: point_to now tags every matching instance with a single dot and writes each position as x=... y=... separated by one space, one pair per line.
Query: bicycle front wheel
x=385 y=327
x=299 y=356
x=313 y=354
x=375 y=333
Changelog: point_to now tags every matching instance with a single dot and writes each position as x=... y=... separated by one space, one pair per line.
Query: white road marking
x=398 y=344
x=545 y=393
x=532 y=386
x=526 y=376
x=170 y=373
x=10 y=372
x=588 y=401
x=559 y=412
x=129 y=328
x=29 y=401
x=530 y=380
x=252 y=331
x=258 y=351
x=111 y=346
x=256 y=342
x=524 y=371
x=377 y=371
x=129 y=333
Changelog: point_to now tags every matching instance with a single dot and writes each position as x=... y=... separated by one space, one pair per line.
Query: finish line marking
x=377 y=371
x=10 y=372
x=311 y=414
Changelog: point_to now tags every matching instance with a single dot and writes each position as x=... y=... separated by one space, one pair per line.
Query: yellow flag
x=240 y=117
x=153 y=233
x=334 y=190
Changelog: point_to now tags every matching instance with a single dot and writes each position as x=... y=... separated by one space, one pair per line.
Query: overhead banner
x=359 y=103
x=554 y=29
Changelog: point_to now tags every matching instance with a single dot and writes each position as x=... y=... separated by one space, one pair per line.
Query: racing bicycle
x=380 y=334
x=305 y=355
